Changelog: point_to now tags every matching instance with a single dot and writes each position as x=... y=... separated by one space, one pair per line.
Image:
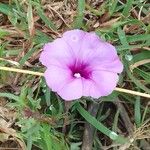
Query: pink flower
x=81 y=64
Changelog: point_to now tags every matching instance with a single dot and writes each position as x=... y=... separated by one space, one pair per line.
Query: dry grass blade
x=6 y=132
x=58 y=15
x=10 y=61
x=109 y=23
x=41 y=74
x=30 y=20
x=139 y=63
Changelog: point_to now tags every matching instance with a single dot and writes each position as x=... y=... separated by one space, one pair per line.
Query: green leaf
x=46 y=137
x=112 y=6
x=122 y=37
x=80 y=14
x=10 y=96
x=29 y=54
x=130 y=47
x=41 y=37
x=3 y=33
x=137 y=112
x=146 y=110
x=29 y=142
x=139 y=37
x=143 y=74
x=48 y=96
x=127 y=8
x=114 y=128
x=135 y=80
x=97 y=12
x=46 y=20
x=99 y=126
x=13 y=17
x=5 y=9
x=141 y=56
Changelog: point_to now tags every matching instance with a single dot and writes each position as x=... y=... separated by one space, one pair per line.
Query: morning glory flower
x=80 y=64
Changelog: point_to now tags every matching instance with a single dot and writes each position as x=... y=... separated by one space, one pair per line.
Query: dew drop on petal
x=74 y=38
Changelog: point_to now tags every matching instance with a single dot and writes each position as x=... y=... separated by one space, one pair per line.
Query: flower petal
x=72 y=90
x=57 y=77
x=106 y=51
x=107 y=65
x=89 y=43
x=81 y=52
x=90 y=89
x=105 y=81
x=93 y=47
x=74 y=39
x=99 y=54
x=56 y=53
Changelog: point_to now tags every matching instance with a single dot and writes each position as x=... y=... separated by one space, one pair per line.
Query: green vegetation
x=35 y=118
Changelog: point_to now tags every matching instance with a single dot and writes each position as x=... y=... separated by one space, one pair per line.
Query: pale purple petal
x=87 y=85
x=107 y=51
x=56 y=53
x=92 y=47
x=95 y=92
x=112 y=66
x=74 y=40
x=72 y=90
x=89 y=44
x=100 y=55
x=105 y=81
x=81 y=64
x=91 y=89
x=57 y=77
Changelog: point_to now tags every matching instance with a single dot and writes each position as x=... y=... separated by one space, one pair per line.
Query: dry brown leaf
x=7 y=131
x=109 y=23
x=30 y=21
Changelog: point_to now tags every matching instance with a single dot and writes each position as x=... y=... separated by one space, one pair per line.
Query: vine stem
x=89 y=130
x=41 y=74
x=21 y=71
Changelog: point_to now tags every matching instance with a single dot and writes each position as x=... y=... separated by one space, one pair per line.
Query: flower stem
x=21 y=71
x=132 y=92
x=41 y=74
x=89 y=130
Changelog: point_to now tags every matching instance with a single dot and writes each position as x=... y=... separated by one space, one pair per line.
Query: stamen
x=77 y=75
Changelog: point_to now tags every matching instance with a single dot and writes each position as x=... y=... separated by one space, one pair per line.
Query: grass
x=35 y=118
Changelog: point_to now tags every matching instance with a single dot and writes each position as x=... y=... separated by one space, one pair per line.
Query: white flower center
x=77 y=75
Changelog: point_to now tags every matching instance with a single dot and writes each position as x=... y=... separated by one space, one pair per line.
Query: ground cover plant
x=34 y=115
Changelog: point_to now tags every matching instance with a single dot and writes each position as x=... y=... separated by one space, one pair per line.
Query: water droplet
x=44 y=90
x=51 y=107
x=132 y=140
x=128 y=57
x=113 y=135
